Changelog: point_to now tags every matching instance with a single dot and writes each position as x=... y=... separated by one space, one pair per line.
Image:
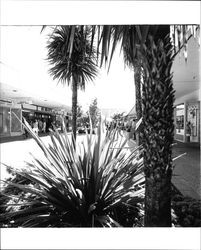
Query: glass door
x=16 y=117
x=193 y=121
x=180 y=116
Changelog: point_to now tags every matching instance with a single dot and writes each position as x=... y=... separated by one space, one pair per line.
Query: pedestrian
x=44 y=127
x=133 y=126
x=35 y=127
x=25 y=132
x=67 y=123
x=40 y=125
x=188 y=131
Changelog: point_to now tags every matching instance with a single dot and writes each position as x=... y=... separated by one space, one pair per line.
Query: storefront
x=16 y=103
x=10 y=117
x=186 y=83
x=187 y=122
x=41 y=114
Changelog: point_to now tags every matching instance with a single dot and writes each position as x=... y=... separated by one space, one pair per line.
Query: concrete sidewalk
x=18 y=138
x=186 y=173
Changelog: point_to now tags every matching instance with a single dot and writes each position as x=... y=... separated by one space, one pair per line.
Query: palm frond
x=69 y=51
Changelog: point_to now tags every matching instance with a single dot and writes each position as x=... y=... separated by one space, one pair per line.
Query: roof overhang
x=19 y=96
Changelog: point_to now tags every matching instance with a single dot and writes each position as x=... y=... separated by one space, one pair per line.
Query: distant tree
x=94 y=113
x=85 y=120
x=118 y=116
x=135 y=64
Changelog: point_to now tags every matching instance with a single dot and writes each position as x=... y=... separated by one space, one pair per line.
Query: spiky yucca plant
x=99 y=184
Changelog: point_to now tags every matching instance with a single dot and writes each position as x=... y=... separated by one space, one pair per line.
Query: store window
x=180 y=119
x=15 y=120
x=4 y=120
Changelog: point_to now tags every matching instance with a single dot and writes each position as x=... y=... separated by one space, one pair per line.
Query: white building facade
x=186 y=80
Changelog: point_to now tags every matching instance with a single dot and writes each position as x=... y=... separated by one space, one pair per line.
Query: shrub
x=98 y=183
x=187 y=210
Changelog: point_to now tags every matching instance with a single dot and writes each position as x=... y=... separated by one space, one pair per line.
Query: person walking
x=40 y=125
x=35 y=127
x=44 y=127
x=133 y=126
x=25 y=132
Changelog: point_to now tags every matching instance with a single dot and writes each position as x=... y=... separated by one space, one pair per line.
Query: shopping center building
x=186 y=80
x=12 y=109
x=16 y=103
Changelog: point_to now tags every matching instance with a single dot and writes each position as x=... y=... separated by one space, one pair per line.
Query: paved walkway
x=18 y=138
x=186 y=173
x=16 y=151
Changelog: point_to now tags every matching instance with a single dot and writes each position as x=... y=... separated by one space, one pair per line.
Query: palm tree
x=157 y=134
x=158 y=128
x=72 y=60
x=152 y=45
x=138 y=96
x=133 y=61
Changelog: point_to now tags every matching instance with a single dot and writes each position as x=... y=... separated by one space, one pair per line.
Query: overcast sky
x=23 y=50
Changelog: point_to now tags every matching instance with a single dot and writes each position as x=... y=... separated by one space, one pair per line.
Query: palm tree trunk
x=74 y=107
x=137 y=78
x=158 y=132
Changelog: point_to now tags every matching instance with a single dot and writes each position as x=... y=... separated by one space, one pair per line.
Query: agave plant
x=100 y=183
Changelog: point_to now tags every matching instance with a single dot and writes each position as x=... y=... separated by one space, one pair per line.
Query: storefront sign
x=180 y=112
x=29 y=106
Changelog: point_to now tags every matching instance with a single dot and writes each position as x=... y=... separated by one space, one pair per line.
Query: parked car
x=81 y=130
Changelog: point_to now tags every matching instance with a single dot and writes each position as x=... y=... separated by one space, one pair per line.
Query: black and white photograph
x=99 y=124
